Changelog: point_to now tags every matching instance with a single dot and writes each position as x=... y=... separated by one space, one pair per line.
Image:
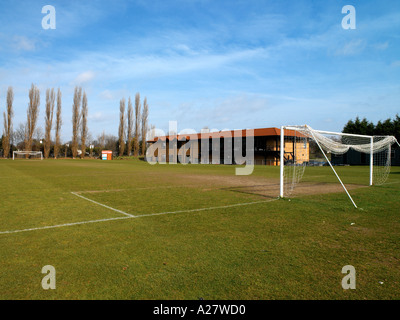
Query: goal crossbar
x=330 y=132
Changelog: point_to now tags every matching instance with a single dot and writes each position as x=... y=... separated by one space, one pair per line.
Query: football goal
x=27 y=155
x=304 y=146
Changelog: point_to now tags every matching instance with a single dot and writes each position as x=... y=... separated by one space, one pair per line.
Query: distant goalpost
x=296 y=141
x=27 y=155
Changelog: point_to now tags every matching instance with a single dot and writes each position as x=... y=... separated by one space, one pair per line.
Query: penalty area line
x=204 y=209
x=64 y=225
x=103 y=205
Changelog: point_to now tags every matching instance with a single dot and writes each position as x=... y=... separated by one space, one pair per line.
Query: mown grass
x=274 y=250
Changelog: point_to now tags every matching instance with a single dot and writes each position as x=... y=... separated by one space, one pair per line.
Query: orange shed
x=106 y=155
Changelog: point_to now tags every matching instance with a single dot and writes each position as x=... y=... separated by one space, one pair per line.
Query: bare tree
x=8 y=131
x=19 y=136
x=111 y=142
x=89 y=139
x=76 y=117
x=145 y=116
x=102 y=140
x=58 y=125
x=152 y=132
x=84 y=129
x=130 y=126
x=121 y=129
x=50 y=99
x=32 y=115
x=137 y=125
x=38 y=139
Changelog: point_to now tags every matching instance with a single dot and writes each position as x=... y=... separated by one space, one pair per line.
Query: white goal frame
x=31 y=153
x=296 y=128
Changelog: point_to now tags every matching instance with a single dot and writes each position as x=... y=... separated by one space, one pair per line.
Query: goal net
x=305 y=147
x=27 y=155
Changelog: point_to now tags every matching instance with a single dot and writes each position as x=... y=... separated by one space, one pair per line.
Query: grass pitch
x=130 y=230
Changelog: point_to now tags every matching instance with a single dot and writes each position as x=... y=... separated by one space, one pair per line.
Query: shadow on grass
x=263 y=191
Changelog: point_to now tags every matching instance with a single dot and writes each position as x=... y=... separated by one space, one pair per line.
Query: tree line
x=30 y=137
x=388 y=127
x=132 y=126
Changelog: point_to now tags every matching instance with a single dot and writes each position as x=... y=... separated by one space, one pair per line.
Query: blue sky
x=221 y=64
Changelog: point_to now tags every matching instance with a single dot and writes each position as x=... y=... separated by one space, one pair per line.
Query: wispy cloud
x=84 y=77
x=395 y=64
x=382 y=46
x=106 y=94
x=23 y=43
x=98 y=116
x=352 y=47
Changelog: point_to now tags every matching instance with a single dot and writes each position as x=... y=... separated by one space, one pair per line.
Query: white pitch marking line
x=103 y=205
x=204 y=209
x=128 y=216
x=65 y=225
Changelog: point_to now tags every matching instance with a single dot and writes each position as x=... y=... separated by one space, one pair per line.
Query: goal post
x=281 y=162
x=295 y=142
x=27 y=155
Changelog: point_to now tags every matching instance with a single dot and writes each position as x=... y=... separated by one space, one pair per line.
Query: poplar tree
x=137 y=125
x=145 y=116
x=32 y=115
x=121 y=129
x=76 y=120
x=130 y=126
x=58 y=125
x=8 y=115
x=50 y=99
x=84 y=128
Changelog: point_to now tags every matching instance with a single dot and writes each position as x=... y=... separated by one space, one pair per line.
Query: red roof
x=262 y=132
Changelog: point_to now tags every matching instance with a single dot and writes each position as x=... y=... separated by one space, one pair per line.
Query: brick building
x=227 y=147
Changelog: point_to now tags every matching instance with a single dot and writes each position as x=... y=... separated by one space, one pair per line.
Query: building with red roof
x=224 y=147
